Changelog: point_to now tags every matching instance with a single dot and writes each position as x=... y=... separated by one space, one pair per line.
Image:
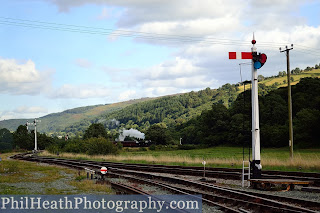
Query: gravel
x=296 y=193
x=159 y=191
x=41 y=187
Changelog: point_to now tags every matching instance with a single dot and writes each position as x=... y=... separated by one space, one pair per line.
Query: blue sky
x=50 y=70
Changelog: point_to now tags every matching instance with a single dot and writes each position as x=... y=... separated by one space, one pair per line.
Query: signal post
x=258 y=61
x=35 y=133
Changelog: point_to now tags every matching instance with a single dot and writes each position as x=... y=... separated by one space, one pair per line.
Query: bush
x=119 y=145
x=96 y=146
x=53 y=149
x=76 y=146
x=152 y=147
x=165 y=147
x=143 y=149
x=81 y=177
x=187 y=147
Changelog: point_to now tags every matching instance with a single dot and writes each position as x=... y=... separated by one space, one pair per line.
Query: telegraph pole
x=287 y=50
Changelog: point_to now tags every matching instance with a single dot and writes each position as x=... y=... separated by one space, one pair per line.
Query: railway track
x=223 y=173
x=227 y=199
x=133 y=190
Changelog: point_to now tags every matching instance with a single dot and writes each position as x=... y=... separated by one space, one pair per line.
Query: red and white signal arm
x=240 y=55
x=104 y=170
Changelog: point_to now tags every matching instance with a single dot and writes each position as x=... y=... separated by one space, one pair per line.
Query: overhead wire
x=143 y=35
x=104 y=31
x=316 y=54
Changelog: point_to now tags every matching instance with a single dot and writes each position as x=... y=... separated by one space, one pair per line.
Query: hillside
x=178 y=109
x=221 y=125
x=169 y=110
x=280 y=80
x=56 y=122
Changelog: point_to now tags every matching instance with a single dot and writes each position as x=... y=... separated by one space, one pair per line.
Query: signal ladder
x=244 y=172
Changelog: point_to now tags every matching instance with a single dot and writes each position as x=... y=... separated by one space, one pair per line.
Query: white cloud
x=199 y=81
x=22 y=78
x=198 y=27
x=199 y=64
x=33 y=109
x=5 y=115
x=127 y=95
x=80 y=92
x=104 y=14
x=179 y=67
x=23 y=112
x=84 y=63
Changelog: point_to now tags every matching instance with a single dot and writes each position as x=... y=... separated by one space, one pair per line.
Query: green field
x=307 y=160
x=315 y=73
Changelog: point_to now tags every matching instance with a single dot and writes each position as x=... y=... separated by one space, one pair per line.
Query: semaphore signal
x=34 y=123
x=240 y=55
x=258 y=60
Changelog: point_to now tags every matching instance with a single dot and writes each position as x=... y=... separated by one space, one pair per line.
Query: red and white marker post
x=255 y=164
x=104 y=170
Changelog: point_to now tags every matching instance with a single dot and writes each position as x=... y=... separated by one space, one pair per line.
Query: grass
x=307 y=160
x=311 y=73
x=20 y=177
x=268 y=82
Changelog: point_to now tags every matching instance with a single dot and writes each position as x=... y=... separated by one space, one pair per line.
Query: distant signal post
x=258 y=61
x=35 y=132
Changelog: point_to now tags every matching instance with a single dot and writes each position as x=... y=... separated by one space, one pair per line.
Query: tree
x=100 y=146
x=281 y=74
x=291 y=79
x=296 y=71
x=308 y=69
x=44 y=141
x=95 y=131
x=157 y=134
x=22 y=138
x=6 y=139
x=216 y=124
x=260 y=77
x=307 y=127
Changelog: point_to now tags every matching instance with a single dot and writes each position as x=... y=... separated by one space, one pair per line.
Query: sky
x=61 y=54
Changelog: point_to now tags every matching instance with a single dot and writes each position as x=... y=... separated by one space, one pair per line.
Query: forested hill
x=56 y=122
x=221 y=125
x=172 y=111
x=169 y=111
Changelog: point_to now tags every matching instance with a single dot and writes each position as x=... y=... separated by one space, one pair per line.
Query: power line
x=103 y=31
x=310 y=52
x=120 y=31
x=34 y=24
x=126 y=33
x=117 y=33
x=307 y=48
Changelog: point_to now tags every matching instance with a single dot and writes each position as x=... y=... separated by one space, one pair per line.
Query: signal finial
x=253 y=40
